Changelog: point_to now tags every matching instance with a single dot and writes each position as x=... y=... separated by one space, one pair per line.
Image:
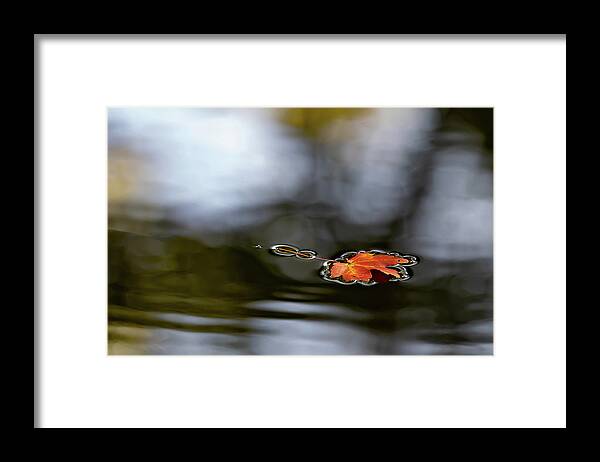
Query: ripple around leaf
x=377 y=276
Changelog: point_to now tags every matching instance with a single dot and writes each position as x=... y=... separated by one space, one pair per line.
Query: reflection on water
x=192 y=191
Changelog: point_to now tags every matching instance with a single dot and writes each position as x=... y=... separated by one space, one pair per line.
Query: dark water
x=192 y=191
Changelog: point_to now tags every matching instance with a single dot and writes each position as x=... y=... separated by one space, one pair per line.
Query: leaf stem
x=296 y=252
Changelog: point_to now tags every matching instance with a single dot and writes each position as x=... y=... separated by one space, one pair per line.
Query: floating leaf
x=368 y=267
x=363 y=267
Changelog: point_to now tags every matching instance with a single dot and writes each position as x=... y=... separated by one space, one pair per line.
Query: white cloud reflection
x=376 y=162
x=211 y=163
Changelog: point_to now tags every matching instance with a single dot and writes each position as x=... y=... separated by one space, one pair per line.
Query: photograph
x=300 y=230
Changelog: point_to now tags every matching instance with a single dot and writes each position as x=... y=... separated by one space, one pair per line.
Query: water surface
x=192 y=191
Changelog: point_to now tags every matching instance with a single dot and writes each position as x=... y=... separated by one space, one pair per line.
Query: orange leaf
x=361 y=265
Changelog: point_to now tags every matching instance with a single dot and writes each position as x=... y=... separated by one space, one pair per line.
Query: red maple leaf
x=367 y=266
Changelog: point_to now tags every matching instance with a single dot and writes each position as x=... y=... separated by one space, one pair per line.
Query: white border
x=523 y=385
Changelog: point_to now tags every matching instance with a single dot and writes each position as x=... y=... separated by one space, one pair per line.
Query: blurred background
x=191 y=191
